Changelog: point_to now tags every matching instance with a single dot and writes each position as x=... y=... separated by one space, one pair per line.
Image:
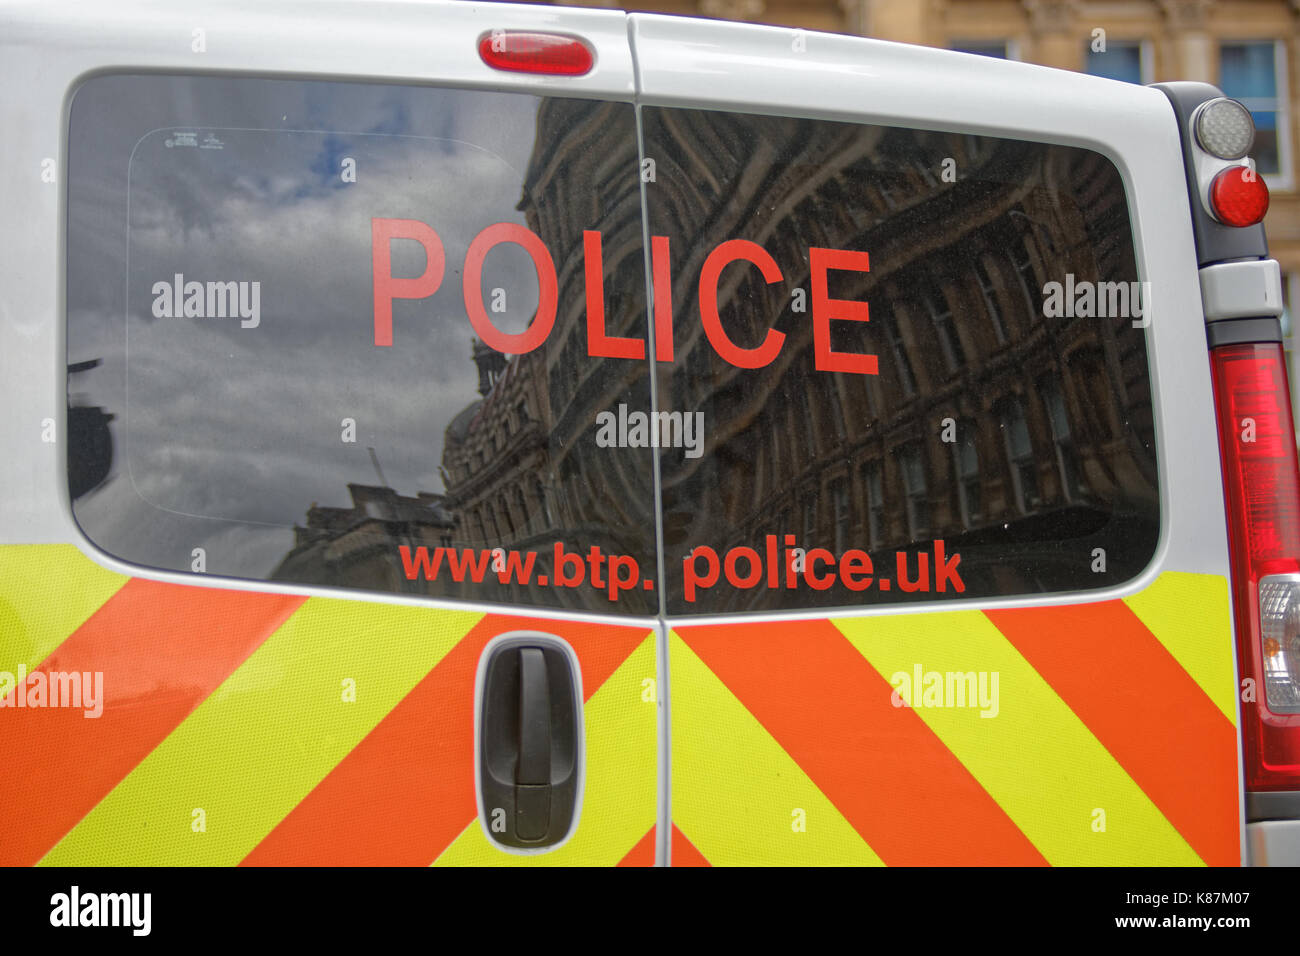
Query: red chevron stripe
x=895 y=782
x=406 y=791
x=643 y=854
x=685 y=852
x=1144 y=708
x=162 y=649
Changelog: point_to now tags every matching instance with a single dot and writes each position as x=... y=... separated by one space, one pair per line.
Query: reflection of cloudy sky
x=244 y=424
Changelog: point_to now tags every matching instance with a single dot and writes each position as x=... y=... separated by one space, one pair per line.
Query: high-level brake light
x=1262 y=488
x=551 y=54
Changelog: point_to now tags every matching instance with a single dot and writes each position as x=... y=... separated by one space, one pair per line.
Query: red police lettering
x=598 y=343
x=825 y=310
x=547 y=288
x=718 y=259
x=386 y=286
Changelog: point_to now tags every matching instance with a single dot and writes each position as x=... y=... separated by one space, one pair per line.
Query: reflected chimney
x=491 y=364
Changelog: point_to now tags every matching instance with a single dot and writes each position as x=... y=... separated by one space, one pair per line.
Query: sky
x=215 y=421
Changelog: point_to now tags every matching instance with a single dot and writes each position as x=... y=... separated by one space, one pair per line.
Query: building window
x=989 y=292
x=1020 y=455
x=1126 y=60
x=843 y=514
x=1254 y=74
x=999 y=49
x=875 y=504
x=1067 y=457
x=965 y=461
x=941 y=315
x=914 y=490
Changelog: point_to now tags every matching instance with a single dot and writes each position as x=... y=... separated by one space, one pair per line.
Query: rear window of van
x=924 y=378
x=411 y=340
x=306 y=384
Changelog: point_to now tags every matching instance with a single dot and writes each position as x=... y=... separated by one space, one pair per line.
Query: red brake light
x=552 y=54
x=1239 y=196
x=1262 y=488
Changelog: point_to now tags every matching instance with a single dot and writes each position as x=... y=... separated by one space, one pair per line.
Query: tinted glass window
x=918 y=361
x=337 y=334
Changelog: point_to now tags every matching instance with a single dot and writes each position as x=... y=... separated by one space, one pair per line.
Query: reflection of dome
x=459 y=427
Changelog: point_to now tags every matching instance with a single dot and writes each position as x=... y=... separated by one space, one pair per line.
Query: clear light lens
x=1225 y=129
x=1279 y=619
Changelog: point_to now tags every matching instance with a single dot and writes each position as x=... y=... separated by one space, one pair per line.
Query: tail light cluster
x=1225 y=130
x=1262 y=488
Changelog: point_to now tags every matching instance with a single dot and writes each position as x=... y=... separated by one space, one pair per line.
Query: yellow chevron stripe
x=266 y=736
x=1187 y=613
x=619 y=802
x=735 y=789
x=49 y=590
x=1035 y=758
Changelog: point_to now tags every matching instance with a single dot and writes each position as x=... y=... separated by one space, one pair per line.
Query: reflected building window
x=1022 y=261
x=843 y=514
x=903 y=364
x=542 y=503
x=989 y=293
x=874 y=482
x=887 y=194
x=810 y=428
x=915 y=492
x=1067 y=456
x=1020 y=455
x=954 y=357
x=528 y=522
x=773 y=428
x=965 y=460
x=837 y=407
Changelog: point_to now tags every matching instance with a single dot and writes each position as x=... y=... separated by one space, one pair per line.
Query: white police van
x=452 y=433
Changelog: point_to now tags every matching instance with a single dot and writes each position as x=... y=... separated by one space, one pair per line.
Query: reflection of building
x=1049 y=418
x=358 y=546
x=521 y=468
x=495 y=456
x=1248 y=49
x=1047 y=415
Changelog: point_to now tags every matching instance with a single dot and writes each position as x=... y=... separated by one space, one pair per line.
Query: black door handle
x=529 y=740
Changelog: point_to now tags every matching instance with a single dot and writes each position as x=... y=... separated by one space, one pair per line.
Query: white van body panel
x=47 y=48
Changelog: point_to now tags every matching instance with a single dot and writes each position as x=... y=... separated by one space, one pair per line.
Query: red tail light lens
x=1262 y=487
x=552 y=54
x=1239 y=196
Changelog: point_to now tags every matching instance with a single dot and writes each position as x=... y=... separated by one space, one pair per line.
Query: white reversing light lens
x=1225 y=128
x=1279 y=619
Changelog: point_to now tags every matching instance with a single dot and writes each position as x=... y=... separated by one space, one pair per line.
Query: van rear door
x=947 y=580
x=324 y=383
